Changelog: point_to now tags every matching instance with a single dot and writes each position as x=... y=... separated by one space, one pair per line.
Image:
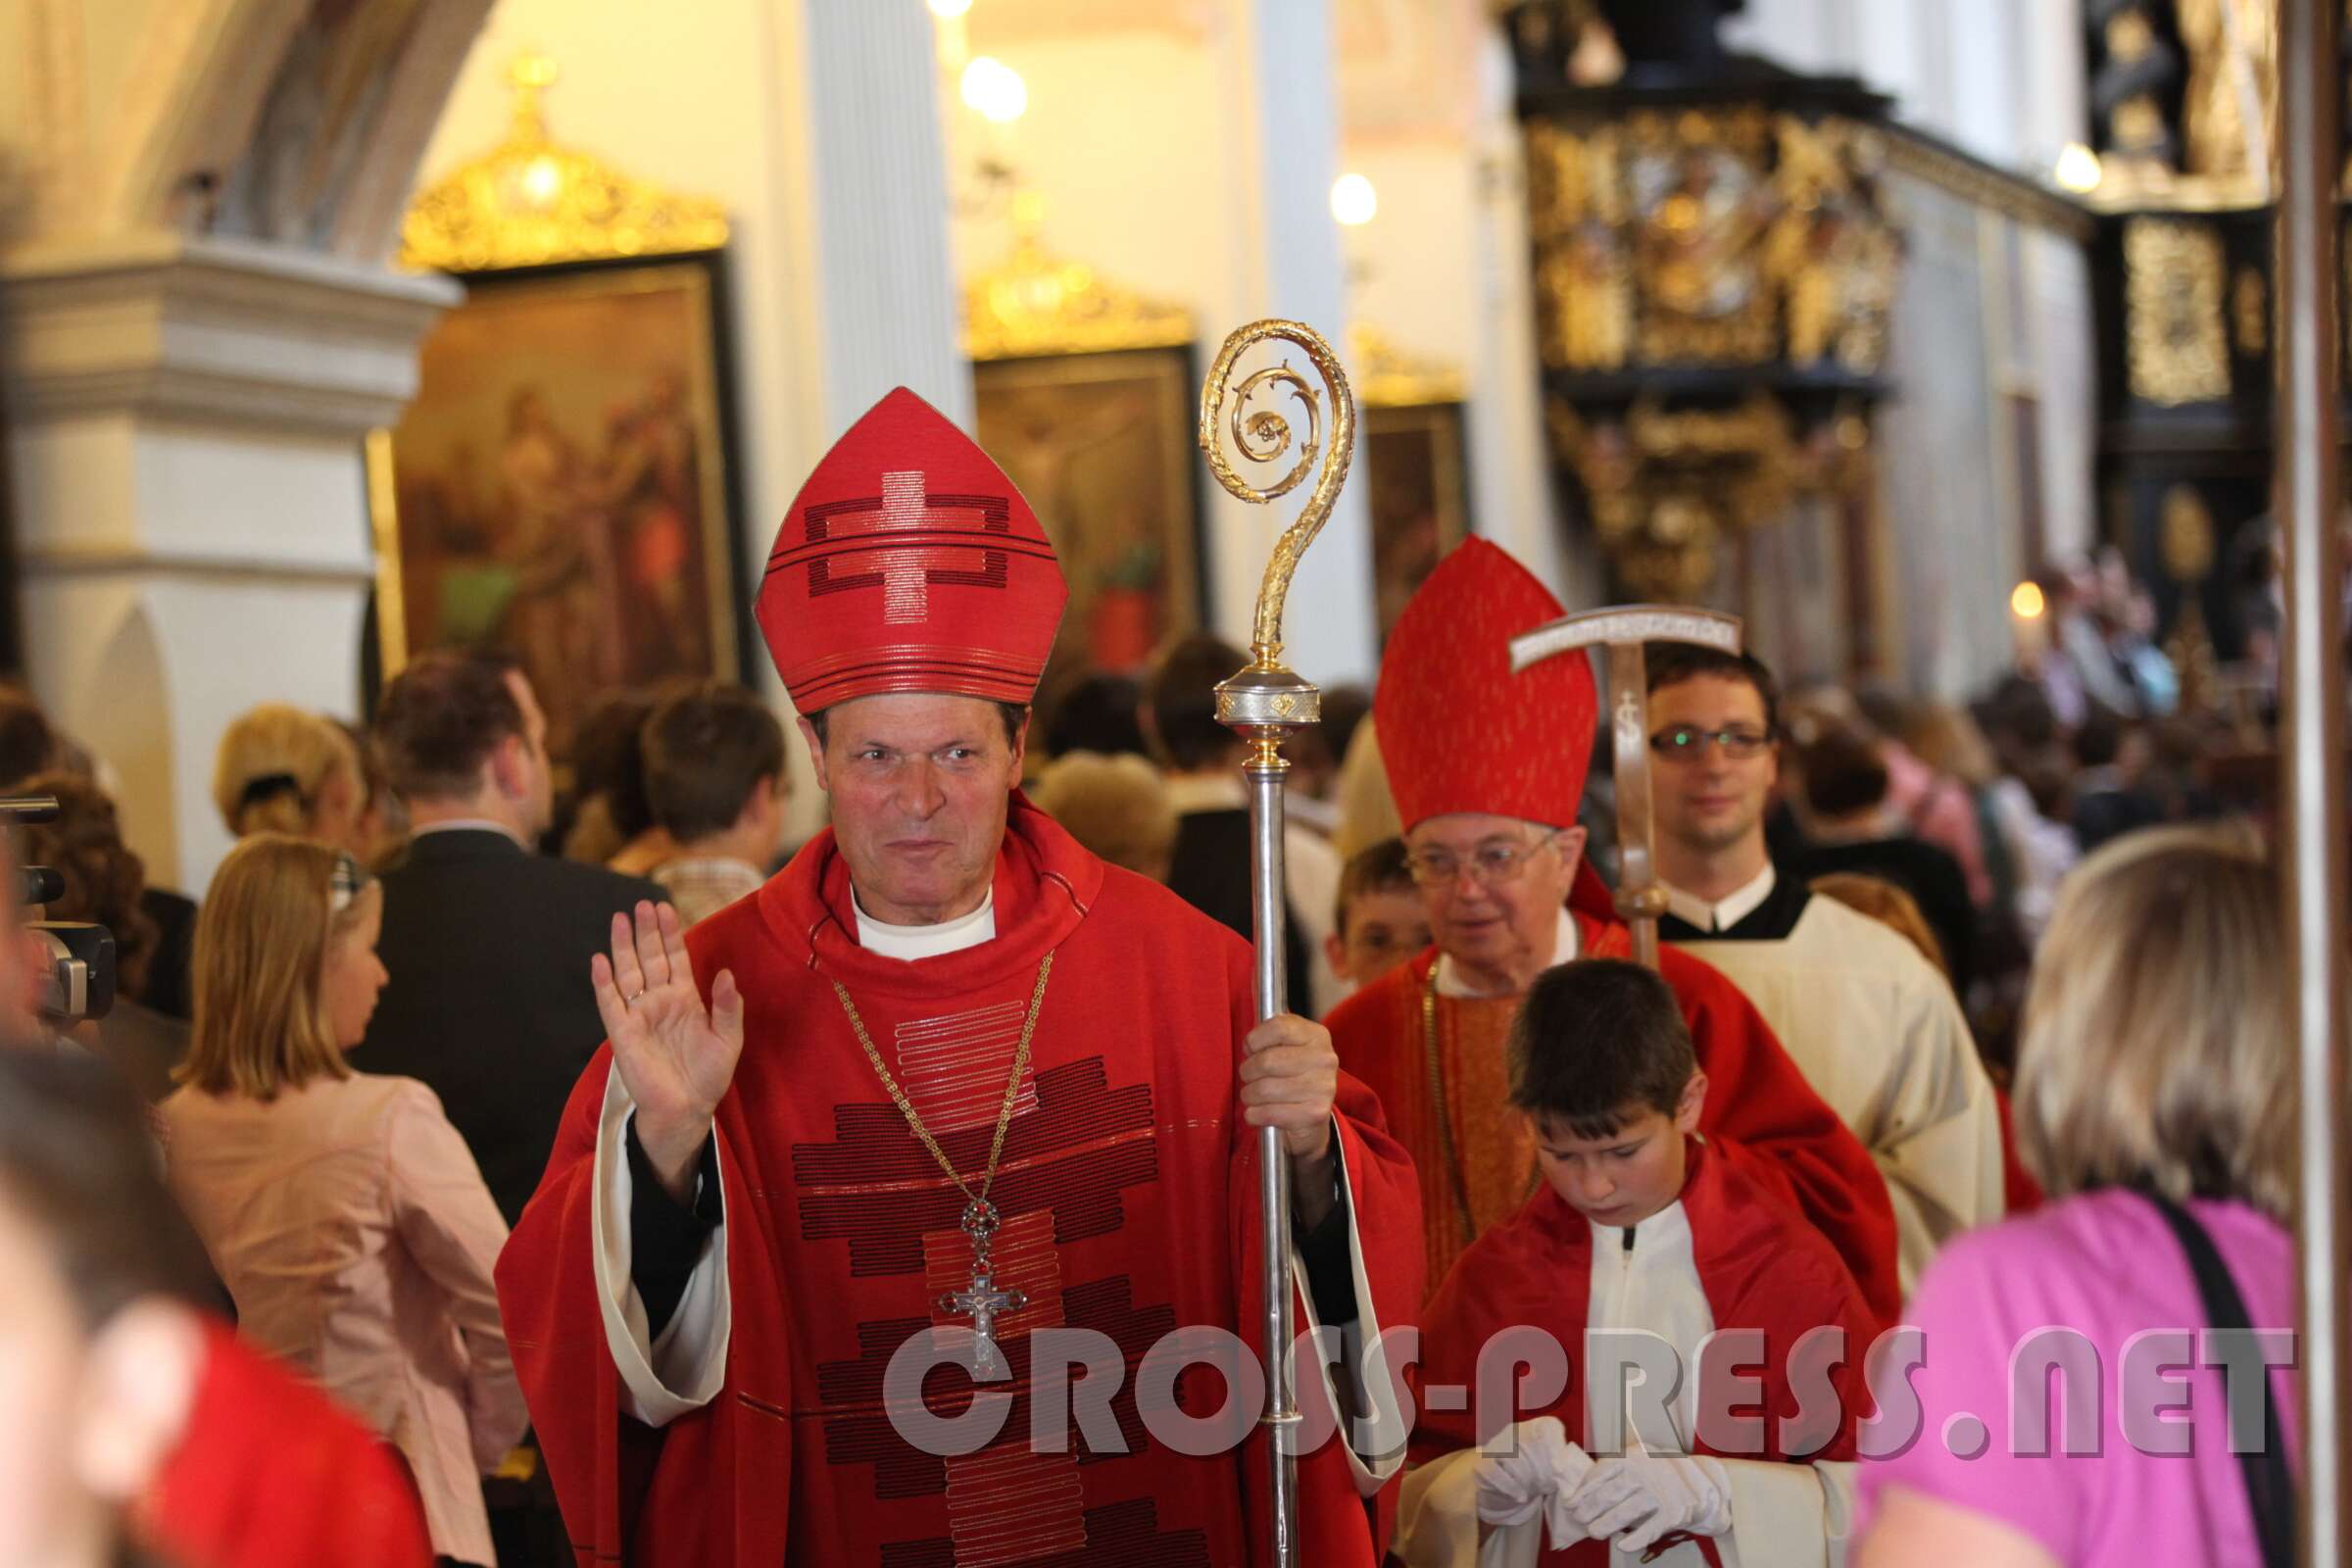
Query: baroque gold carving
x=1711 y=237
x=2233 y=86
x=2185 y=535
x=1666 y=486
x=2185 y=547
x=530 y=200
x=2176 y=344
x=2250 y=314
x=1033 y=303
x=1386 y=377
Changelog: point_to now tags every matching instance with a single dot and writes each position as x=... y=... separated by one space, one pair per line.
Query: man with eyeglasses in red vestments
x=1487 y=767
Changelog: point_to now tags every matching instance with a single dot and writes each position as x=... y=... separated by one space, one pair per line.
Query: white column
x=848 y=287
x=1280 y=146
x=185 y=419
x=877 y=182
x=1513 y=497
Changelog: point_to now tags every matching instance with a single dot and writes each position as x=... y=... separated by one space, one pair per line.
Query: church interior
x=1961 y=350
x=1852 y=354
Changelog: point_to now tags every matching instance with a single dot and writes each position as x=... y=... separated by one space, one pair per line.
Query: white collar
x=468 y=824
x=912 y=942
x=1450 y=975
x=1669 y=1226
x=1725 y=913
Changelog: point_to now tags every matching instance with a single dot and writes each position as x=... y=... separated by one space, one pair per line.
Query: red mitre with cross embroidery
x=909 y=563
x=1458 y=731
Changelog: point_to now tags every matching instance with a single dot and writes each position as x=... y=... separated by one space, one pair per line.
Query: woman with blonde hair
x=1118 y=807
x=341 y=1209
x=2156 y=1102
x=284 y=769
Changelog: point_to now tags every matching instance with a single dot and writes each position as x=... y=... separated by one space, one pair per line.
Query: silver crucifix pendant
x=983 y=1303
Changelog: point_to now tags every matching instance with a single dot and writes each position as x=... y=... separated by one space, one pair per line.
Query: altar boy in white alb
x=1640 y=1231
x=1875 y=1027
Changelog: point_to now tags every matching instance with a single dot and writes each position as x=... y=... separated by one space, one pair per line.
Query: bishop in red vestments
x=946 y=1080
x=1487 y=767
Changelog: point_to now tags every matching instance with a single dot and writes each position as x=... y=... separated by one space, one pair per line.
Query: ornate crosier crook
x=1263 y=704
x=1264 y=437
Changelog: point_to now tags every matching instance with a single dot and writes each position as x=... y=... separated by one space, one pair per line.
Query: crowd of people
x=1965 y=1013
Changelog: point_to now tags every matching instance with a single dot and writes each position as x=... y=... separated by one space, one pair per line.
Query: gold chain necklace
x=983 y=1303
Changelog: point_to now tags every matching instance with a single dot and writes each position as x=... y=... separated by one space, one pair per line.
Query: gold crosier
x=983 y=1303
x=1263 y=704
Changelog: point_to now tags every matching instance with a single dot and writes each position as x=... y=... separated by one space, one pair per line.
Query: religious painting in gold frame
x=1100 y=445
x=561 y=486
x=1419 y=498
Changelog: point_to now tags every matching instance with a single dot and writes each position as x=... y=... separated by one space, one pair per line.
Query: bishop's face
x=919 y=785
x=1494 y=887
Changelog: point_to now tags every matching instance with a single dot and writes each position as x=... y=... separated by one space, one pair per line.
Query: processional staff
x=1625 y=630
x=1263 y=704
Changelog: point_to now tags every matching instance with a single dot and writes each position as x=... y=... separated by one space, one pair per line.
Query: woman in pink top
x=341 y=1209
x=2155 y=1072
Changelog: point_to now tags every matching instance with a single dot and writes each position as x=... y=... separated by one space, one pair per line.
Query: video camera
x=81 y=979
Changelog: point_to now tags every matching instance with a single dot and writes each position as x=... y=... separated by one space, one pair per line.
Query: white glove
x=1537 y=1478
x=1642 y=1498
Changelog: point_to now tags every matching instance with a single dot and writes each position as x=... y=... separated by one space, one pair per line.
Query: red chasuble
x=1759 y=1265
x=1780 y=1132
x=1129 y=1200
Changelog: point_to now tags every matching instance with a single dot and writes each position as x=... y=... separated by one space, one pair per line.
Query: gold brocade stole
x=1486 y=1164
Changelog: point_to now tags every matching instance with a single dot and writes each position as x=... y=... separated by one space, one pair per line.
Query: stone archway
x=297 y=121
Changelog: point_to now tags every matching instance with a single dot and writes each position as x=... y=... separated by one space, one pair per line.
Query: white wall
x=2002 y=79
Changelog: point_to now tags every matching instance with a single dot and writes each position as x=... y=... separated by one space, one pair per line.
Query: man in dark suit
x=486 y=941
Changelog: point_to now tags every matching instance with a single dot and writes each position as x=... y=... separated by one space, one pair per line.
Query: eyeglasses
x=1490 y=865
x=1685 y=744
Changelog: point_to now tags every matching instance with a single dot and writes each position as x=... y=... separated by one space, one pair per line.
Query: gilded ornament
x=2233 y=86
x=1664 y=485
x=2185 y=535
x=2128 y=36
x=1265 y=436
x=2136 y=124
x=2249 y=312
x=1670 y=557
x=530 y=202
x=1708 y=237
x=1702 y=209
x=1033 y=304
x=1386 y=377
x=2176 y=344
x=2186 y=549
x=1832 y=250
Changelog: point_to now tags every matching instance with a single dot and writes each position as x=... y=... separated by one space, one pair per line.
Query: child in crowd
x=1378 y=921
x=1639 y=1230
